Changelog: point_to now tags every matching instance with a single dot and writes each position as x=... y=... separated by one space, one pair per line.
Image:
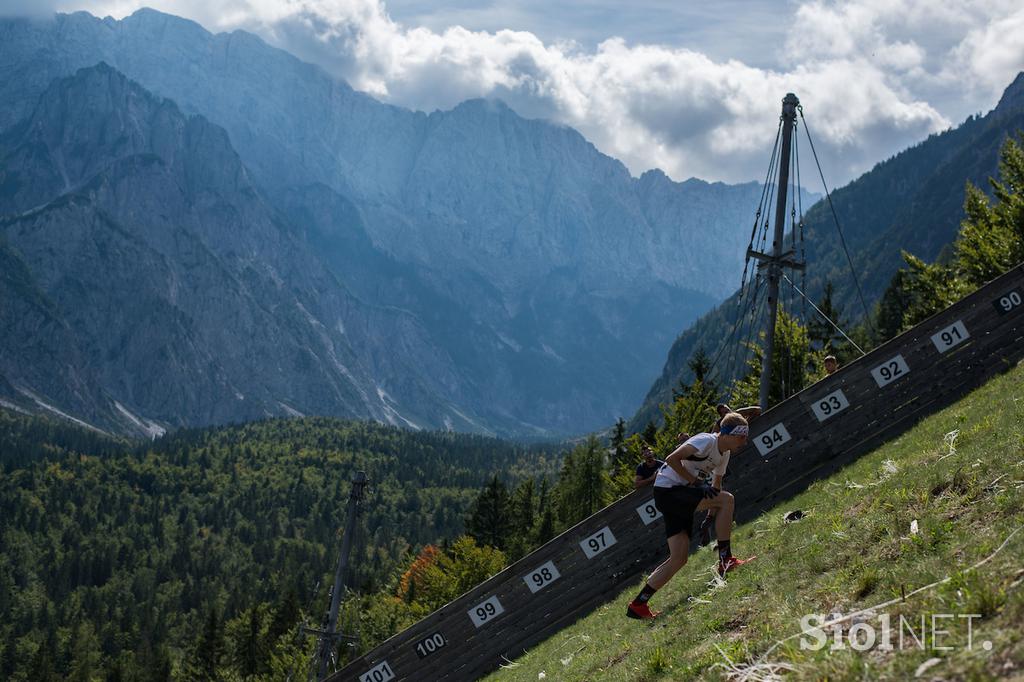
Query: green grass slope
x=958 y=475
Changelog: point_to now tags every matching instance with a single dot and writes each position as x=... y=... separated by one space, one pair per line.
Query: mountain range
x=200 y=228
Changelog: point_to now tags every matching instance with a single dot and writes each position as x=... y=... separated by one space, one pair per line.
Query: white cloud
x=991 y=52
x=873 y=75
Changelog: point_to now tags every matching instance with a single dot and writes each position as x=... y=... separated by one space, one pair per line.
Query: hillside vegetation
x=928 y=525
x=199 y=555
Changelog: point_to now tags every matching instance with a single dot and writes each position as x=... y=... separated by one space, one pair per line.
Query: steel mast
x=774 y=263
x=330 y=637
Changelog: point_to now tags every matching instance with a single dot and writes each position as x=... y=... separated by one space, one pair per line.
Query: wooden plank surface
x=875 y=414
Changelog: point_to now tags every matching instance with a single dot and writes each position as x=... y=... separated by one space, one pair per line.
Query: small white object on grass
x=923 y=668
x=913 y=527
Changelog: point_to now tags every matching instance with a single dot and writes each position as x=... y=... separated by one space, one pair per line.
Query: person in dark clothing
x=647 y=470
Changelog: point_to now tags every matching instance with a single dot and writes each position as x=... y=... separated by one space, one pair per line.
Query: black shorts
x=677 y=505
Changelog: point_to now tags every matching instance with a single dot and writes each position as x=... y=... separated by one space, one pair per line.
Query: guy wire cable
x=834 y=325
x=835 y=217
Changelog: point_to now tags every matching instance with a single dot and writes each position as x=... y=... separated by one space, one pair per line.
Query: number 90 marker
x=1010 y=300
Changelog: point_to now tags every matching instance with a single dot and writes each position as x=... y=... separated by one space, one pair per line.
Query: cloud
x=873 y=75
x=991 y=52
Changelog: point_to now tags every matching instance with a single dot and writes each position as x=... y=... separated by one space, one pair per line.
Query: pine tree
x=693 y=409
x=650 y=434
x=248 y=654
x=208 y=653
x=795 y=365
x=546 y=528
x=524 y=518
x=85 y=653
x=990 y=241
x=584 y=485
x=286 y=615
x=889 y=312
x=620 y=454
x=544 y=496
x=822 y=334
x=991 y=238
x=490 y=520
x=929 y=289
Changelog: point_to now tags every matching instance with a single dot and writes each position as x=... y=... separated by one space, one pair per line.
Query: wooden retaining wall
x=810 y=435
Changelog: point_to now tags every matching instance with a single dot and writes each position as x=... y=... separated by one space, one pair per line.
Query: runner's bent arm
x=719 y=471
x=750 y=412
x=675 y=460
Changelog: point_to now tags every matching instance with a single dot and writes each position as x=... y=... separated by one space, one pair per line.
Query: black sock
x=724 y=549
x=645 y=594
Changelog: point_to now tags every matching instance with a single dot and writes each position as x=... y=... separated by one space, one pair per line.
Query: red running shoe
x=640 y=611
x=729 y=563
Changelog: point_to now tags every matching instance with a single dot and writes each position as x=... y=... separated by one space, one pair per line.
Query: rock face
x=268 y=240
x=166 y=279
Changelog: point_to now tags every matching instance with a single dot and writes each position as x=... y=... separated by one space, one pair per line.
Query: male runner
x=683 y=486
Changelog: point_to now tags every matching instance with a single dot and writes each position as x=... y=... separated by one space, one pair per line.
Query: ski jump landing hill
x=810 y=435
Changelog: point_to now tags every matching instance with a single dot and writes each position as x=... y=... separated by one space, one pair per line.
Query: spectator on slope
x=831 y=364
x=647 y=470
x=683 y=487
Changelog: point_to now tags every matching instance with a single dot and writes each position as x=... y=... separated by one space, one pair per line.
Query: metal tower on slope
x=773 y=264
x=330 y=637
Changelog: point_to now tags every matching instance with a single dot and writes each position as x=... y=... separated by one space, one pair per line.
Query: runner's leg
x=722 y=504
x=679 y=551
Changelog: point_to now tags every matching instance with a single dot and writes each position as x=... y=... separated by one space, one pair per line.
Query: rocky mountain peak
x=84 y=123
x=502 y=259
x=1013 y=97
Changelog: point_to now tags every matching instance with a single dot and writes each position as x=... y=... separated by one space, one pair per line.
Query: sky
x=692 y=88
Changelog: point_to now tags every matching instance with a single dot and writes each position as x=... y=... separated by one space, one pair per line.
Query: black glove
x=707 y=490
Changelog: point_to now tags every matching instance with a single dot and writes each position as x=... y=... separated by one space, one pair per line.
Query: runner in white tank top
x=683 y=487
x=708 y=461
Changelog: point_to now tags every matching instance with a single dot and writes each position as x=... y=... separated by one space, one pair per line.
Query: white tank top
x=706 y=463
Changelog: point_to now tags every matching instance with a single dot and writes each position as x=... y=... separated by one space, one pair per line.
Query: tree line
x=201 y=555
